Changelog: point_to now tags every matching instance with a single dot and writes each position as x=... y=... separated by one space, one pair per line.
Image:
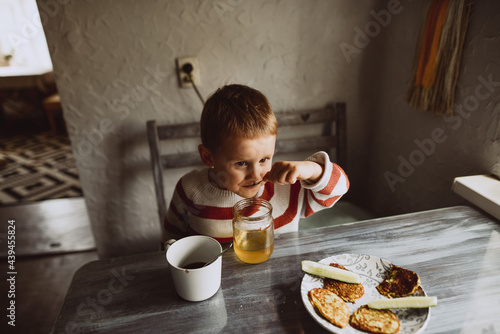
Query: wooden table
x=22 y=77
x=52 y=226
x=28 y=83
x=456 y=252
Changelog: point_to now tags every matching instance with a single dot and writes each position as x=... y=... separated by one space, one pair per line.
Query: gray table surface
x=456 y=252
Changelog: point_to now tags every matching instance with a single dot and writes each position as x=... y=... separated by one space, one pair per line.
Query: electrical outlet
x=183 y=77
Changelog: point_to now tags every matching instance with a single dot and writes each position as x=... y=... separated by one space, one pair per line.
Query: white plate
x=372 y=270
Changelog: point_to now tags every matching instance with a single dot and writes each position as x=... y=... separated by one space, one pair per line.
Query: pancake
x=330 y=306
x=375 y=321
x=399 y=282
x=347 y=291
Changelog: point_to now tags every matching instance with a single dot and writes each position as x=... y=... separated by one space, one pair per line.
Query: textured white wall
x=114 y=65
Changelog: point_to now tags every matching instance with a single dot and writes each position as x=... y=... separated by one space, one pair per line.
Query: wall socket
x=183 y=77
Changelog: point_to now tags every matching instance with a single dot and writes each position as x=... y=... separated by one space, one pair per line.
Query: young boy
x=238 y=134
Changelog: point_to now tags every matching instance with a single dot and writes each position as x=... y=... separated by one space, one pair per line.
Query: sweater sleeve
x=328 y=189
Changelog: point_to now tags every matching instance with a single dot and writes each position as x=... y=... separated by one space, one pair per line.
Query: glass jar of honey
x=253 y=230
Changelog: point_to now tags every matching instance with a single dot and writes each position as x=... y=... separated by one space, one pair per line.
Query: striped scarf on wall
x=437 y=60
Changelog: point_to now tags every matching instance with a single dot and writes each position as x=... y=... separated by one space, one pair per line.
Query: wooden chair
x=50 y=104
x=306 y=131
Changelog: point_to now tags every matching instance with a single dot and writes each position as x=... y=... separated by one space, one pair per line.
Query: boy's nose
x=255 y=173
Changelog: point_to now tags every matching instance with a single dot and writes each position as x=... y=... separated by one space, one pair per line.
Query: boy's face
x=240 y=164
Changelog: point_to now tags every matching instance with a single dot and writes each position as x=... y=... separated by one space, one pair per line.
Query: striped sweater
x=198 y=207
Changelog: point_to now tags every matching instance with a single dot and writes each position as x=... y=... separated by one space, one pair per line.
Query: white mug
x=199 y=283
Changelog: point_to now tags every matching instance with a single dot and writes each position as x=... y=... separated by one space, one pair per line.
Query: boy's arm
x=289 y=172
x=328 y=189
x=334 y=181
x=325 y=187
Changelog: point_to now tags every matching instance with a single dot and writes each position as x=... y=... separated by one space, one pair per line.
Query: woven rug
x=37 y=167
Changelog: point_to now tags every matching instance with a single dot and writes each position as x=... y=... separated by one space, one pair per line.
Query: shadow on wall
x=367 y=50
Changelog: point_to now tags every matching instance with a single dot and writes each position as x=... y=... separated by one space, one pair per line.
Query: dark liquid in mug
x=194 y=265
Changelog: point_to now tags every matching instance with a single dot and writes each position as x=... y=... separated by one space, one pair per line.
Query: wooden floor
x=53 y=240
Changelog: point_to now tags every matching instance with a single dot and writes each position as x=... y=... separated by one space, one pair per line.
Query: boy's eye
x=241 y=163
x=263 y=160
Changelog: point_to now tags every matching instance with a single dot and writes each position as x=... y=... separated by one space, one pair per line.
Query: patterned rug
x=37 y=167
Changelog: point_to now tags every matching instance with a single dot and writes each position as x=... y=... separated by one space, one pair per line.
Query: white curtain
x=21 y=34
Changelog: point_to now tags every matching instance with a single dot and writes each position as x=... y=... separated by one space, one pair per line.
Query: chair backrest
x=303 y=131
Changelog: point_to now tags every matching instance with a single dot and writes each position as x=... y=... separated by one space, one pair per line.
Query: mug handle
x=168 y=243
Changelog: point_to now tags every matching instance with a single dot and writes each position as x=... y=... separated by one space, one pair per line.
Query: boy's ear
x=206 y=155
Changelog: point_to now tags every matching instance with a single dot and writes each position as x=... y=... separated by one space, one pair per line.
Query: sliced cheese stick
x=323 y=270
x=403 y=302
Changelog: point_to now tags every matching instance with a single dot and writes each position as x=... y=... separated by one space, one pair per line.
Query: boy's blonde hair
x=236 y=111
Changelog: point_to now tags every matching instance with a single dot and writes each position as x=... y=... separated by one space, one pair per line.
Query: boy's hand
x=283 y=172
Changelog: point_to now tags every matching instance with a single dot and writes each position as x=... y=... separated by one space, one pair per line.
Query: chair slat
x=187 y=130
x=305 y=144
x=282 y=146
x=314 y=116
x=181 y=160
x=285 y=118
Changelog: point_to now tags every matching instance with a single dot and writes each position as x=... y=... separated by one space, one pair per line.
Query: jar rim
x=248 y=202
